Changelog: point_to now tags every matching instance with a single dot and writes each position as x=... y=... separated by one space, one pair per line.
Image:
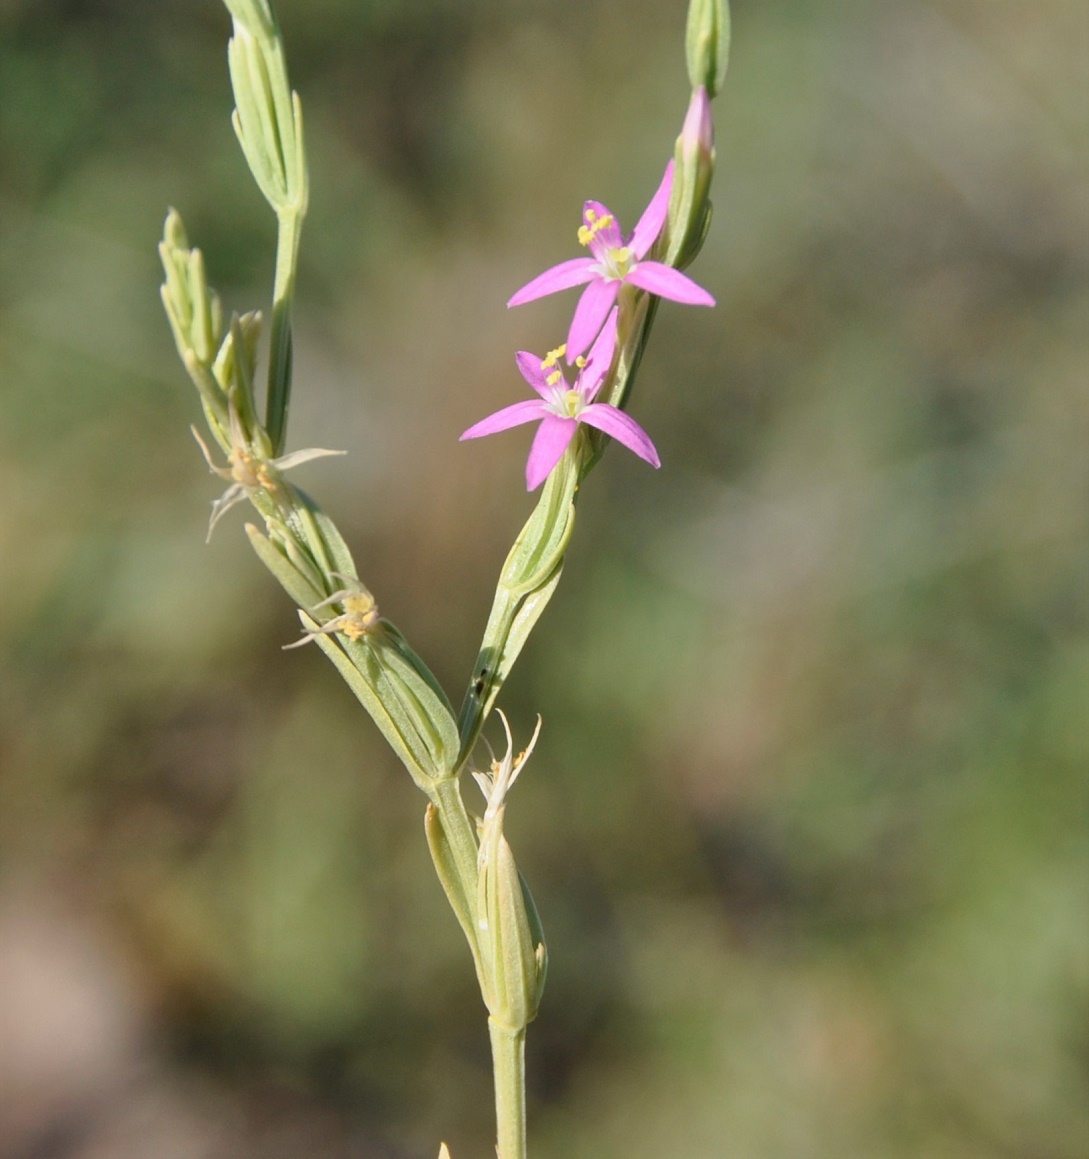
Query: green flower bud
x=192 y=309
x=196 y=319
x=268 y=116
x=254 y=15
x=234 y=370
x=707 y=43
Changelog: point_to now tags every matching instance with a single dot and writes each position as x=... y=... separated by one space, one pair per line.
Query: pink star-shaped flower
x=561 y=408
x=614 y=262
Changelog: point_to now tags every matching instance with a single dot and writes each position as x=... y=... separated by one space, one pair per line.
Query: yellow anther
x=243 y=467
x=594 y=225
x=554 y=377
x=580 y=362
x=359 y=619
x=553 y=356
x=248 y=470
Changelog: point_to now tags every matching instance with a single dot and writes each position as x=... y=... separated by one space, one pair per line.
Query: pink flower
x=612 y=263
x=561 y=408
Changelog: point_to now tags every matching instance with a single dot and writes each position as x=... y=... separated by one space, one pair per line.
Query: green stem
x=509 y=1065
x=283 y=294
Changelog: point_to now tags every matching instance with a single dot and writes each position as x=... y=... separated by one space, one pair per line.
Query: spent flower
x=508 y=925
x=360 y=616
x=561 y=407
x=248 y=471
x=613 y=262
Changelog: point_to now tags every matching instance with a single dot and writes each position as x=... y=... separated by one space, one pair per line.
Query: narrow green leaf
x=421 y=709
x=461 y=902
x=373 y=692
x=323 y=538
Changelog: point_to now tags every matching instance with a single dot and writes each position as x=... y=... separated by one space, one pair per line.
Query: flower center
x=616 y=262
x=250 y=471
x=571 y=401
x=360 y=615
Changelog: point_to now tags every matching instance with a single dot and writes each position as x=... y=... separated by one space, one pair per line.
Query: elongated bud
x=234 y=370
x=694 y=164
x=707 y=43
x=267 y=117
x=191 y=307
x=254 y=15
x=196 y=319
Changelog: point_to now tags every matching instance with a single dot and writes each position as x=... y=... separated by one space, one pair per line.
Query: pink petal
x=666 y=282
x=650 y=224
x=623 y=428
x=606 y=238
x=529 y=366
x=553 y=437
x=698 y=134
x=561 y=277
x=599 y=359
x=510 y=416
x=597 y=300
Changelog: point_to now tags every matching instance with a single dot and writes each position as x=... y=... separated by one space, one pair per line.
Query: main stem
x=508 y=1043
x=509 y=1066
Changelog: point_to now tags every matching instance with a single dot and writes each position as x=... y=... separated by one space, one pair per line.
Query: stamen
x=594 y=225
x=554 y=377
x=553 y=356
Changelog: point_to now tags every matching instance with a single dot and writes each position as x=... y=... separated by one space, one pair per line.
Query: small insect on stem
x=360 y=616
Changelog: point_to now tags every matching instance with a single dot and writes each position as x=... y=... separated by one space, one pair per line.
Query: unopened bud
x=698 y=133
x=254 y=15
x=234 y=370
x=694 y=161
x=195 y=317
x=267 y=117
x=192 y=308
x=707 y=43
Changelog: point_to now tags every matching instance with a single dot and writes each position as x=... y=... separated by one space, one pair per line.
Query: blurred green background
x=807 y=823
